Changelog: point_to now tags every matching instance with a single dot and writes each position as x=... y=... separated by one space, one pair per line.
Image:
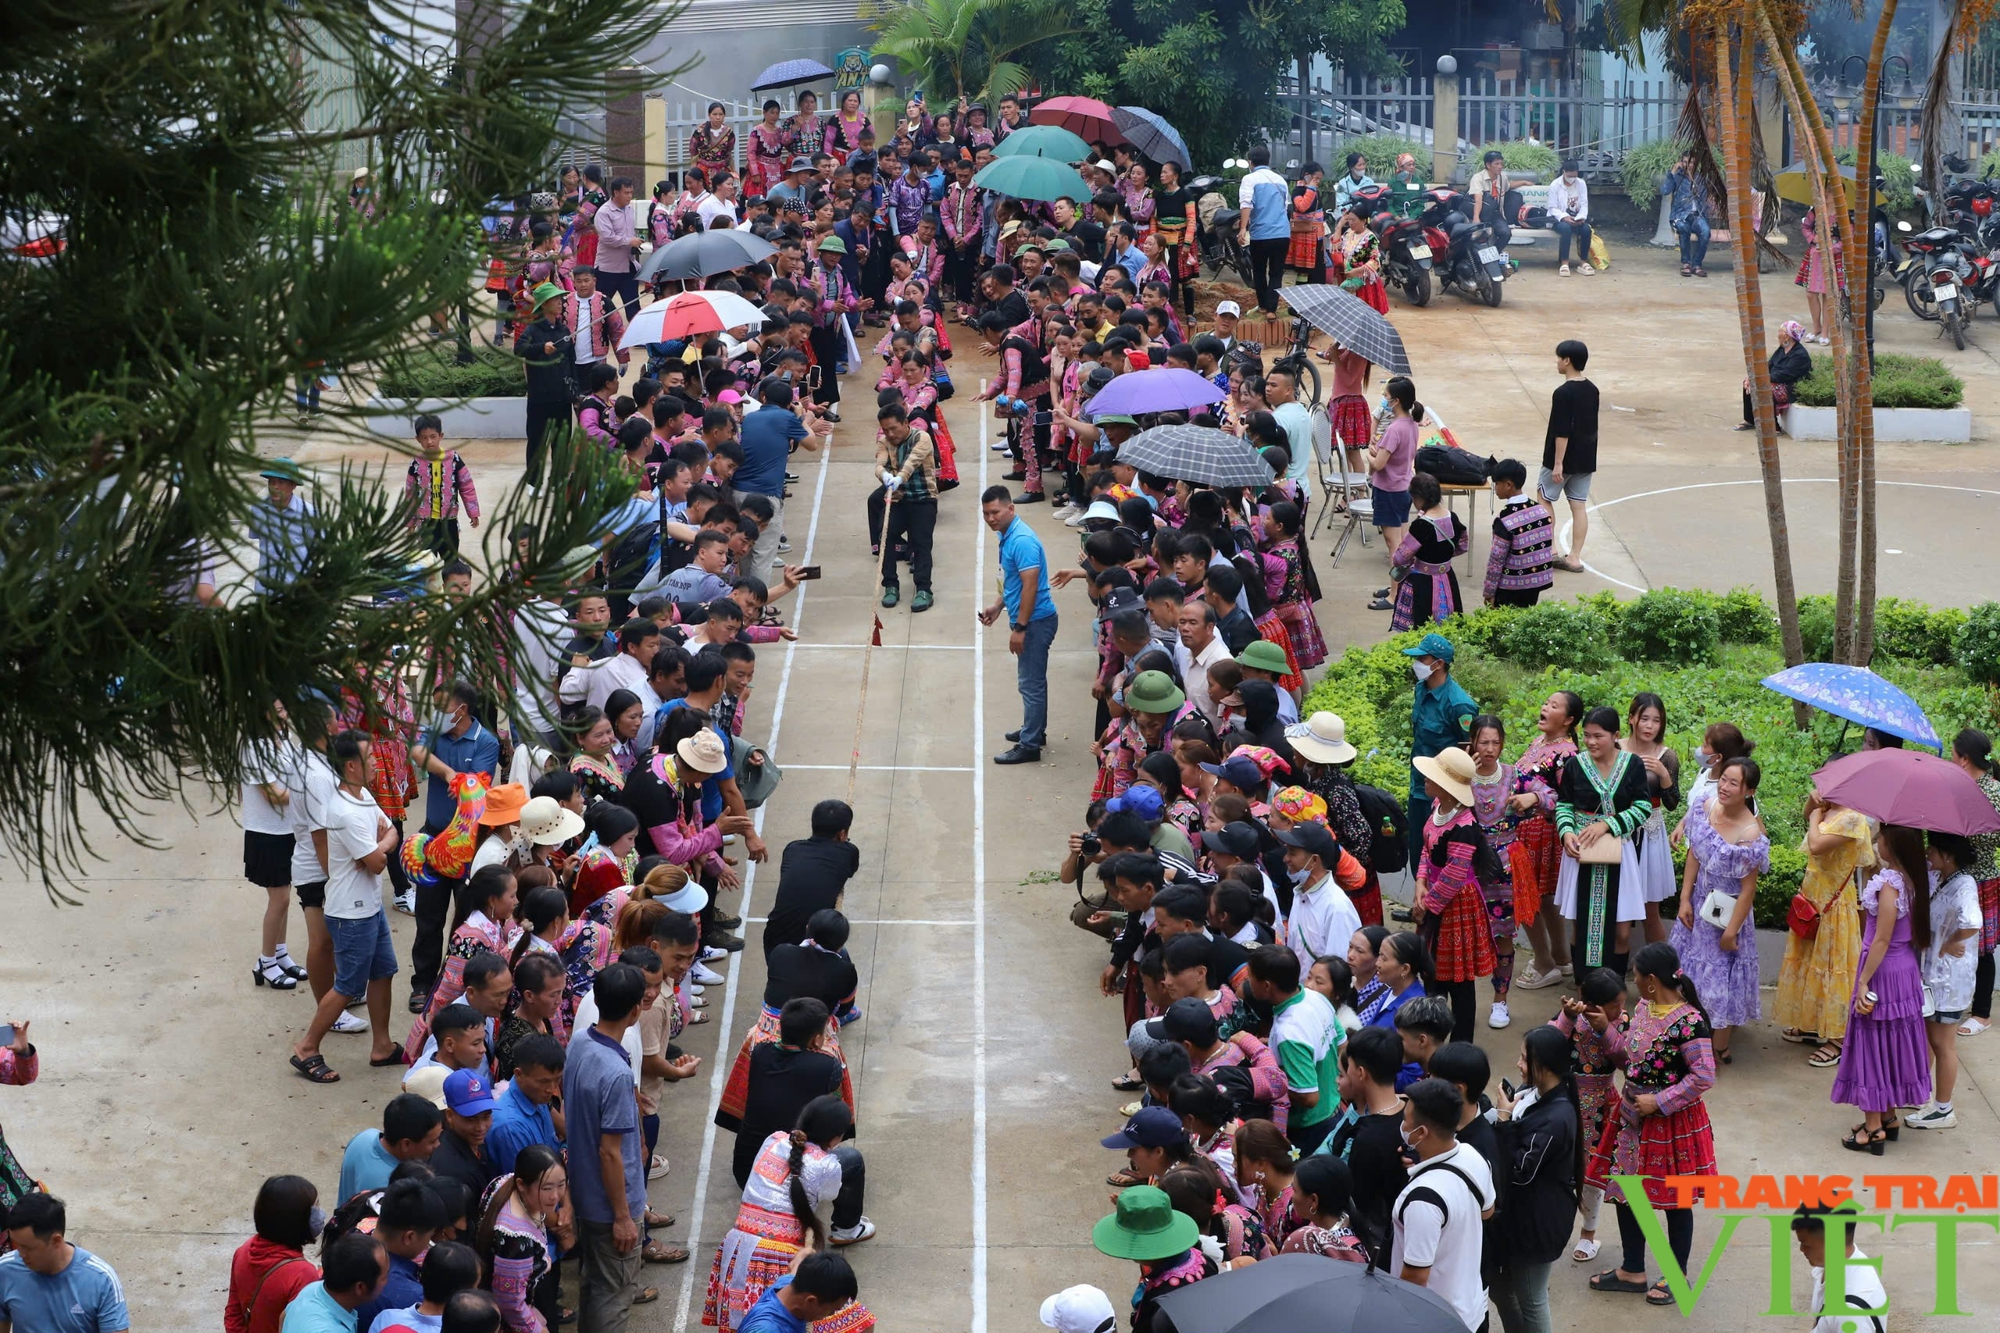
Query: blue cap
x=1142 y=800
x=1433 y=645
x=1153 y=1127
x=1239 y=772
x=467 y=1092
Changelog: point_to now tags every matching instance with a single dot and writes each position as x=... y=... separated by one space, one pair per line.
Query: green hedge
x=1640 y=169
x=1712 y=650
x=432 y=371
x=1536 y=159
x=1900 y=381
x=1379 y=152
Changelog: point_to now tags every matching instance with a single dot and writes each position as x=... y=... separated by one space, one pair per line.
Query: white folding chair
x=1360 y=504
x=1327 y=489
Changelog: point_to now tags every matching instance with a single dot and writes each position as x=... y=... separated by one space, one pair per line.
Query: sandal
x=659 y=1252
x=1586 y=1249
x=1658 y=1294
x=1893 y=1128
x=1687 y=270
x=395 y=1058
x=1609 y=1280
x=1799 y=1035
x=647 y=1297
x=1127 y=1084
x=698 y=1017
x=1865 y=1140
x=1699 y=272
x=654 y=1219
x=1972 y=1027
x=315 y=1069
x=1119 y=1180
x=1826 y=1057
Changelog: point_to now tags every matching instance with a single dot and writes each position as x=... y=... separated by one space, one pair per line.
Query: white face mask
x=1299 y=875
x=1403 y=1131
x=1420 y=671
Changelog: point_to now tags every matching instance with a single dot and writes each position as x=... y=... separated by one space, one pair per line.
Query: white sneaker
x=710 y=954
x=406 y=903
x=706 y=975
x=1499 y=1018
x=854 y=1235
x=1931 y=1118
x=349 y=1023
x=1074 y=520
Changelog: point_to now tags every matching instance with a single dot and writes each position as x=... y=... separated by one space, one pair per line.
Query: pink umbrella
x=1909 y=787
x=1080 y=115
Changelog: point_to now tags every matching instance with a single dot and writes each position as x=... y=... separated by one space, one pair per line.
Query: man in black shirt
x=1569 y=450
x=468 y=1112
x=1368 y=1135
x=818 y=969
x=812 y=875
x=784 y=1075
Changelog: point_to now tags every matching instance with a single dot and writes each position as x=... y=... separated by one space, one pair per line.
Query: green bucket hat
x=1145 y=1227
x=833 y=243
x=1433 y=645
x=542 y=295
x=1263 y=655
x=283 y=469
x=1153 y=692
x=1116 y=419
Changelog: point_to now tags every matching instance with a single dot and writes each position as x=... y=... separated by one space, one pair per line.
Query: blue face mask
x=315 y=1222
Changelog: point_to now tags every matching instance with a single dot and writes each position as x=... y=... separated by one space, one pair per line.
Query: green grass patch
x=1900 y=381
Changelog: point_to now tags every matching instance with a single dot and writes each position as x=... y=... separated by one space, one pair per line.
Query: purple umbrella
x=1911 y=788
x=1857 y=694
x=1168 y=389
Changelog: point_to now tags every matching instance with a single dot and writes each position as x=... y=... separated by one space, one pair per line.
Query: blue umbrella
x=1151 y=135
x=788 y=72
x=1858 y=695
x=1167 y=389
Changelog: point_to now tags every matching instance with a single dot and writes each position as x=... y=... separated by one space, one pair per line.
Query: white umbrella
x=691 y=315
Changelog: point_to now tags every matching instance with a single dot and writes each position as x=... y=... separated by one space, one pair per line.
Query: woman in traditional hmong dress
x=1295 y=594
x=805 y=129
x=1661 y=1128
x=1356 y=259
x=1498 y=802
x=515 y=1240
x=843 y=131
x=1306 y=253
x=1535 y=857
x=1588 y=1022
x=712 y=145
x=1602 y=794
x=766 y=153
x=593 y=764
x=1647 y=719
x=1455 y=862
x=1428 y=590
x=920 y=396
x=485 y=924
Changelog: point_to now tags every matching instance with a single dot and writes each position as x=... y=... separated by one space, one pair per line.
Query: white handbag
x=1718 y=909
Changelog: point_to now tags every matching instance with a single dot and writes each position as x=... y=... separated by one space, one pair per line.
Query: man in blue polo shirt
x=766 y=438
x=523 y=1117
x=1264 y=226
x=607 y=1158
x=1031 y=618
x=455 y=743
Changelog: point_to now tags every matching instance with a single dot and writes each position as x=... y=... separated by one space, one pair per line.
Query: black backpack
x=1389 y=826
x=1452 y=465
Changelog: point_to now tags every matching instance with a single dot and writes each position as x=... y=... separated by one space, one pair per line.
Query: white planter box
x=478 y=419
x=1952 y=425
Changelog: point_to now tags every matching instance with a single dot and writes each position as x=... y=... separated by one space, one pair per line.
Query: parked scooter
x=1472 y=263
x=1215 y=229
x=1404 y=248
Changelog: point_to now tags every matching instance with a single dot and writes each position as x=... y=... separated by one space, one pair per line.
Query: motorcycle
x=1472 y=260
x=1927 y=253
x=1954 y=305
x=1403 y=246
x=1215 y=229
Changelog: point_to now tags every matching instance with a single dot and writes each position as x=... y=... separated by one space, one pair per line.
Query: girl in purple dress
x=1886 y=1061
x=1726 y=851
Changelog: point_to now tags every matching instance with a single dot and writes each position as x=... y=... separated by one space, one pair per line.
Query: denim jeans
x=1522 y=1295
x=1031 y=674
x=1565 y=232
x=1694 y=240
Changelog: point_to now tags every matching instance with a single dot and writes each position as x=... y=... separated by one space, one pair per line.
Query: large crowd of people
x=1301 y=1050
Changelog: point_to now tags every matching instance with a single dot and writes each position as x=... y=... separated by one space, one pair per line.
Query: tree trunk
x=1735 y=103
x=1829 y=195
x=1864 y=361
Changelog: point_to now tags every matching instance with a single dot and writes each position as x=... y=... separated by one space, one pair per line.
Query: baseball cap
x=468 y=1093
x=1312 y=839
x=1141 y=799
x=1186 y=1019
x=1080 y=1309
x=1237 y=839
x=1239 y=772
x=1228 y=308
x=1433 y=645
x=1153 y=1127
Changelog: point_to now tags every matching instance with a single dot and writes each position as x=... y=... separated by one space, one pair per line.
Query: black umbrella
x=704 y=253
x=787 y=73
x=1197 y=454
x=1351 y=322
x=1308 y=1291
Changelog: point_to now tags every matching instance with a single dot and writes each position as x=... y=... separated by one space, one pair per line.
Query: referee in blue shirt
x=1031 y=616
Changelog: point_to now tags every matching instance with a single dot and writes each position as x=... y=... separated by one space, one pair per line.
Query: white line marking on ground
x=725 y=1052
x=1569 y=525
x=906 y=647
x=979 y=903
x=878 y=768
x=861 y=921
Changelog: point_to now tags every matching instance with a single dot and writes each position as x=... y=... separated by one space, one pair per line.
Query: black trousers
x=915 y=521
x=1464 y=1008
x=440 y=535
x=1982 y=987
x=829 y=350
x=433 y=911
x=1267 y=270
x=1307 y=1138
x=622 y=287
x=543 y=420
x=1680 y=1237
x=960 y=267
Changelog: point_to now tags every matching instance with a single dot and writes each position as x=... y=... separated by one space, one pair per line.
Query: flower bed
x=1704 y=653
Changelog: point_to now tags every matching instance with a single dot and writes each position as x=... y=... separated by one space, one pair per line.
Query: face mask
x=1701 y=757
x=315 y=1222
x=1403 y=1131
x=1420 y=671
x=1299 y=875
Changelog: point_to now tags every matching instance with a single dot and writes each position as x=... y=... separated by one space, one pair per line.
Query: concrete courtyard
x=983 y=1062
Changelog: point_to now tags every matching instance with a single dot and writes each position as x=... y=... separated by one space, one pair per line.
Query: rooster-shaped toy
x=430 y=857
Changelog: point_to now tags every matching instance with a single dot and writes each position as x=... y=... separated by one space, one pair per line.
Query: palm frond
x=1939 y=113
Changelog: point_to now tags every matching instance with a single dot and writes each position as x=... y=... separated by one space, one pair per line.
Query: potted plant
x=1916 y=398
x=485 y=398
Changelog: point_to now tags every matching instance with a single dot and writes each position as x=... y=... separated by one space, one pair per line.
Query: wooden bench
x=1537 y=196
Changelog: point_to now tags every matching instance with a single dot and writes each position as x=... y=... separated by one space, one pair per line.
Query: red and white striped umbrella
x=691 y=315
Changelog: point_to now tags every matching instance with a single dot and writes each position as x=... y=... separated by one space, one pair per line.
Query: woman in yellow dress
x=1816 y=980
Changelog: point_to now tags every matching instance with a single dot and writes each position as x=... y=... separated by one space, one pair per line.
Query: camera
x=1089 y=846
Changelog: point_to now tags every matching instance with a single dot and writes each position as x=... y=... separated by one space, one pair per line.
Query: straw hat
x=504 y=805
x=1453 y=770
x=545 y=821
x=703 y=752
x=1321 y=738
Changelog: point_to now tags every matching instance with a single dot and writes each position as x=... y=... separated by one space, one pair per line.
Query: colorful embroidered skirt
x=1533 y=862
x=1655 y=1147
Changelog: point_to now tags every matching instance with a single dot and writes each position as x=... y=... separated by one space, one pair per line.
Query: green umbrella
x=1024 y=177
x=1050 y=141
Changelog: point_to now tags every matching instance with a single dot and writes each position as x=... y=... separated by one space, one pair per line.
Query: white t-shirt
x=1438 y=1227
x=712 y=208
x=313 y=787
x=1864 y=1291
x=586 y=1016
x=352 y=830
x=270 y=763
x=492 y=852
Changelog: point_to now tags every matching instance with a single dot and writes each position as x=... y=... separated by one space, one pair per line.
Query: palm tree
x=964 y=48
